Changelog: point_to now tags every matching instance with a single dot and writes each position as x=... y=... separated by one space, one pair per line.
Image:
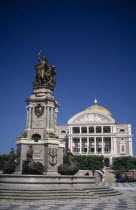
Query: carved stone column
x=55 y=119
x=51 y=118
x=48 y=115
x=29 y=117
x=27 y=113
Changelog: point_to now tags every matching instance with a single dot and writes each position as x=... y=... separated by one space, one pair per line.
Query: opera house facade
x=95 y=132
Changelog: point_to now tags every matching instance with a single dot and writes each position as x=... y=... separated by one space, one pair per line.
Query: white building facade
x=95 y=132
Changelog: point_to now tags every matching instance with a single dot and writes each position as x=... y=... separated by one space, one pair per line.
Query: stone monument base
x=41 y=182
x=40 y=187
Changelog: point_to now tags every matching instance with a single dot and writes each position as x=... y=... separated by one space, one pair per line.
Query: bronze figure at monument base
x=10 y=165
x=29 y=166
x=71 y=168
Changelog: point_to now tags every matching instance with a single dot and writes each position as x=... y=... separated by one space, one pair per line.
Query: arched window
x=63 y=131
x=122 y=130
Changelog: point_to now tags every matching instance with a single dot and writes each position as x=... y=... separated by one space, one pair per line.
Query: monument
x=40 y=153
x=41 y=119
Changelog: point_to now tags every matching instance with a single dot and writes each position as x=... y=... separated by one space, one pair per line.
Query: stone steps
x=55 y=190
x=109 y=177
x=41 y=187
x=57 y=194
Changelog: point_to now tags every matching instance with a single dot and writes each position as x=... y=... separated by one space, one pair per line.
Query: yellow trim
x=98 y=108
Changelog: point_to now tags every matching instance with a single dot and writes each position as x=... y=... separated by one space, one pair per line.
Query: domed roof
x=98 y=108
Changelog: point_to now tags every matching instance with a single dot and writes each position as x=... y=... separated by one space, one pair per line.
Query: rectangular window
x=106 y=129
x=91 y=129
x=76 y=140
x=76 y=130
x=106 y=149
x=84 y=140
x=98 y=129
x=76 y=149
x=91 y=140
x=91 y=149
x=84 y=149
x=98 y=139
x=84 y=129
x=99 y=149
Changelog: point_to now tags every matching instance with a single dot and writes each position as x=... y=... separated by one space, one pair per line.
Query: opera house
x=95 y=132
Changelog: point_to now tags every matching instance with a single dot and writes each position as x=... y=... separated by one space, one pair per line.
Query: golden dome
x=98 y=108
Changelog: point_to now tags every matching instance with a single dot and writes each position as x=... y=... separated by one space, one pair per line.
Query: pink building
x=95 y=132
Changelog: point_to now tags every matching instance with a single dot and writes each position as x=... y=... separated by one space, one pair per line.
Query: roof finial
x=95 y=101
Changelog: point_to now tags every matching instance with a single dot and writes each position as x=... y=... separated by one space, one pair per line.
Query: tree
x=88 y=162
x=124 y=163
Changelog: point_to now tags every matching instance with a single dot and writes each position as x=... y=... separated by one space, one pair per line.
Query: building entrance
x=106 y=162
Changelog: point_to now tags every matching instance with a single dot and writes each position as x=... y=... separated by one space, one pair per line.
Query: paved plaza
x=125 y=201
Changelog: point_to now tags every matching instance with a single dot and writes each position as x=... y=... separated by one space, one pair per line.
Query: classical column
x=29 y=117
x=69 y=143
x=55 y=119
x=95 y=145
x=102 y=146
x=69 y=129
x=80 y=129
x=115 y=145
x=130 y=147
x=51 y=118
x=111 y=146
x=87 y=144
x=71 y=148
x=48 y=116
x=80 y=145
x=94 y=129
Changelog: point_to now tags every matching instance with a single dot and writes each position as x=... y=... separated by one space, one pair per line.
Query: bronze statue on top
x=45 y=73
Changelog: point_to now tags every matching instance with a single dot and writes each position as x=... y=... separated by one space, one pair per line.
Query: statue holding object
x=45 y=73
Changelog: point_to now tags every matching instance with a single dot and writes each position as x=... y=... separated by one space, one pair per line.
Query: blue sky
x=92 y=43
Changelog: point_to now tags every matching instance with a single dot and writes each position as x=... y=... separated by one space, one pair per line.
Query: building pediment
x=86 y=117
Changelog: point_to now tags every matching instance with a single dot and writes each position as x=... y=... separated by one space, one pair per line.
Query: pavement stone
x=122 y=202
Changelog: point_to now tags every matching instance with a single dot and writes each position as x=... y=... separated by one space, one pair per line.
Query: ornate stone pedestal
x=41 y=121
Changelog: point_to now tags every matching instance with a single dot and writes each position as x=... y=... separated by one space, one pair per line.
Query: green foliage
x=88 y=162
x=3 y=159
x=124 y=163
